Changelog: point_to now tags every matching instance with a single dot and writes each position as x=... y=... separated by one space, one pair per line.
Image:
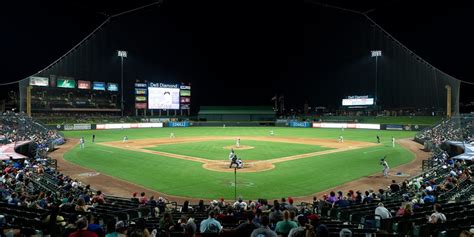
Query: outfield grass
x=214 y=150
x=187 y=178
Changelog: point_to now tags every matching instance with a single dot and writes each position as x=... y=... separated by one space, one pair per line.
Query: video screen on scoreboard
x=98 y=85
x=39 y=81
x=83 y=84
x=163 y=98
x=65 y=83
x=112 y=86
x=357 y=101
x=185 y=92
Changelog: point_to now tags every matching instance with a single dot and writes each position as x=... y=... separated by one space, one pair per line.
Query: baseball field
x=292 y=162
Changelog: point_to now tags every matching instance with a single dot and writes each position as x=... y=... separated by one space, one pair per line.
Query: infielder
x=272 y=133
x=125 y=139
x=172 y=135
x=237 y=143
x=81 y=142
x=385 y=167
x=341 y=139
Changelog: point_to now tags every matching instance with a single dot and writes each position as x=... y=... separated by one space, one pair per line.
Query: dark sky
x=244 y=52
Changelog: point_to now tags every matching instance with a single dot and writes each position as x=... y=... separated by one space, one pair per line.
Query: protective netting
x=335 y=63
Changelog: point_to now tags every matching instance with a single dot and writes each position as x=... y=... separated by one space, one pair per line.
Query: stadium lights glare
x=121 y=53
x=376 y=53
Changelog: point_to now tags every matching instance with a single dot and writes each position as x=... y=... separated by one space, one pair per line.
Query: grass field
x=215 y=150
x=187 y=178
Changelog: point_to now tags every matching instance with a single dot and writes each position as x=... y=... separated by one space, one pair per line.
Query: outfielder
x=393 y=142
x=172 y=135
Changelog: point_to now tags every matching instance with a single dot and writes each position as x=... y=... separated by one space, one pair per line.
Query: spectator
x=94 y=226
x=284 y=226
x=186 y=208
x=383 y=212
x=81 y=206
x=405 y=210
x=437 y=216
x=166 y=223
x=299 y=231
x=120 y=230
x=264 y=230
x=98 y=198
x=142 y=199
x=81 y=225
x=246 y=228
x=210 y=225
x=394 y=187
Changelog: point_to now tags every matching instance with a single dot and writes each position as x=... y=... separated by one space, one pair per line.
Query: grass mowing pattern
x=186 y=178
x=214 y=150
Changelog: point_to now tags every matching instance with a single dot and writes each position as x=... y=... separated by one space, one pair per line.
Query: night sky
x=234 y=52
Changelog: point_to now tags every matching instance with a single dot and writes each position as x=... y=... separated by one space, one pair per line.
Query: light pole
x=122 y=54
x=235 y=184
x=376 y=54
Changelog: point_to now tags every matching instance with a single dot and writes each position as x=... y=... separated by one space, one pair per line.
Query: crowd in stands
x=19 y=127
x=36 y=199
x=451 y=129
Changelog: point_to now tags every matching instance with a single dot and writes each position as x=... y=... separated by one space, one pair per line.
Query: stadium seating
x=31 y=190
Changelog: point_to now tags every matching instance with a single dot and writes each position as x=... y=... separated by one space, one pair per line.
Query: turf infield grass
x=186 y=178
x=214 y=150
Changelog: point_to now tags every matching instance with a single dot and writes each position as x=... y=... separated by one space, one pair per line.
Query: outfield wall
x=294 y=124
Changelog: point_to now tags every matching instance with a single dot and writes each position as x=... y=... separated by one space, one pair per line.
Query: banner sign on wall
x=128 y=125
x=347 y=125
x=178 y=124
x=300 y=124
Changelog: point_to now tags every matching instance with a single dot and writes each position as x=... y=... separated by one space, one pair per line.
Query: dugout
x=236 y=113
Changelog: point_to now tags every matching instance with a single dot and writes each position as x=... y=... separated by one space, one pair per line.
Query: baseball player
x=272 y=133
x=378 y=139
x=93 y=138
x=393 y=142
x=341 y=139
x=81 y=142
x=232 y=158
x=125 y=139
x=237 y=143
x=172 y=135
x=385 y=167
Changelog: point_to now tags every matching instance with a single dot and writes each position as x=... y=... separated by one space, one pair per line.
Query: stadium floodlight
x=376 y=54
x=122 y=54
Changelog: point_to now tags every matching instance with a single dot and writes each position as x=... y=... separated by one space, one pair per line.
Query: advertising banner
x=140 y=105
x=98 y=85
x=112 y=86
x=81 y=126
x=83 y=84
x=128 y=125
x=65 y=83
x=39 y=81
x=297 y=124
x=347 y=125
x=178 y=124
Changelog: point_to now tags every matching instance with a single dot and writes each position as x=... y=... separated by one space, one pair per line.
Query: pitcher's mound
x=242 y=147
